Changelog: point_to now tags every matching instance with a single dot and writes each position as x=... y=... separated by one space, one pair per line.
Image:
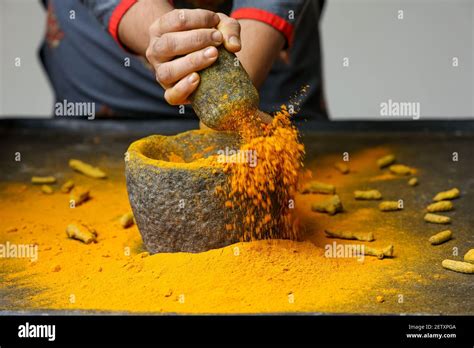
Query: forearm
x=261 y=45
x=134 y=27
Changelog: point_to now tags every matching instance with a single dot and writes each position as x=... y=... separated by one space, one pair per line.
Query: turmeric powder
x=101 y=275
x=267 y=188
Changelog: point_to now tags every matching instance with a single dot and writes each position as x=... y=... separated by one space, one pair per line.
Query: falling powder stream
x=264 y=193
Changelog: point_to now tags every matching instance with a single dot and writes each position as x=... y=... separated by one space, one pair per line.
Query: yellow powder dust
x=264 y=276
x=265 y=190
x=116 y=274
x=172 y=157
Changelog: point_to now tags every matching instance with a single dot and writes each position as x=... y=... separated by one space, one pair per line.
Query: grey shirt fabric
x=95 y=71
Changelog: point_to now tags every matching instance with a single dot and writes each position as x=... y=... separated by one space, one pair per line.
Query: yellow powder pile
x=115 y=274
x=264 y=191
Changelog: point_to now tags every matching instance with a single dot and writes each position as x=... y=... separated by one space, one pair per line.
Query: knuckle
x=149 y=53
x=206 y=18
x=235 y=23
x=163 y=74
x=154 y=28
x=195 y=60
x=222 y=17
x=165 y=45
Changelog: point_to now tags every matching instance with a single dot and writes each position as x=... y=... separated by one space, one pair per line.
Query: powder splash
x=264 y=192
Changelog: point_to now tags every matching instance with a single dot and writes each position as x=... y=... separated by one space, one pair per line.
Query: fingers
x=180 y=92
x=183 y=20
x=171 y=45
x=183 y=42
x=170 y=72
x=230 y=28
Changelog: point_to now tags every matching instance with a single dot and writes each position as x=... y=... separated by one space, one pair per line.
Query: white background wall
x=402 y=60
x=23 y=91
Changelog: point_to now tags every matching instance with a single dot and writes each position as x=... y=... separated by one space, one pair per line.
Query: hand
x=183 y=42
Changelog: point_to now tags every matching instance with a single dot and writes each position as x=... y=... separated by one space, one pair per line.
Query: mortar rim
x=136 y=149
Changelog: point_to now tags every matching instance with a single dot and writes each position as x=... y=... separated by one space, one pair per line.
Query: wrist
x=135 y=21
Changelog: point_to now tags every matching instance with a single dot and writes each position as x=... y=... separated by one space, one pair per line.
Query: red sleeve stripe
x=117 y=16
x=280 y=24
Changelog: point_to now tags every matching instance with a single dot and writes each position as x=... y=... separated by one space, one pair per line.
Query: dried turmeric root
x=365 y=237
x=469 y=257
x=413 y=181
x=127 y=220
x=400 y=169
x=83 y=233
x=437 y=219
x=458 y=266
x=441 y=237
x=67 y=186
x=390 y=206
x=445 y=195
x=79 y=195
x=440 y=206
x=380 y=253
x=43 y=180
x=87 y=169
x=319 y=187
x=386 y=161
x=368 y=195
x=330 y=206
x=342 y=167
x=47 y=190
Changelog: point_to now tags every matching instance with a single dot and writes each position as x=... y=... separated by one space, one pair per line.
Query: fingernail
x=210 y=52
x=234 y=41
x=217 y=36
x=193 y=78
